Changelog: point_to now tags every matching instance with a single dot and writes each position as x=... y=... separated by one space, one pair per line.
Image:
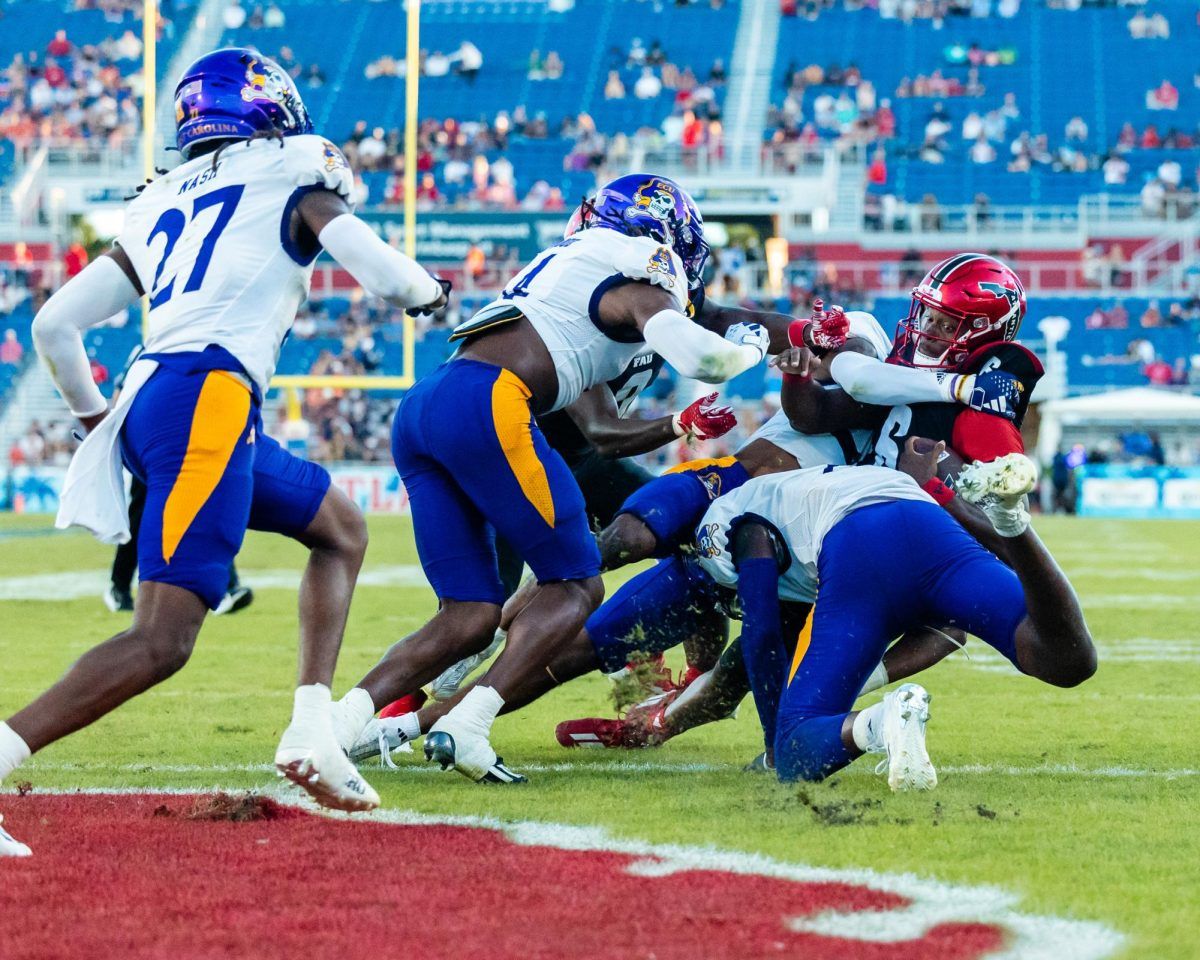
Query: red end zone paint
x=110 y=879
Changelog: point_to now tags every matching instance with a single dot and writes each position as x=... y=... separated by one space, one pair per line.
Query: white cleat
x=380 y=738
x=455 y=748
x=1001 y=488
x=10 y=846
x=318 y=766
x=905 y=713
x=451 y=679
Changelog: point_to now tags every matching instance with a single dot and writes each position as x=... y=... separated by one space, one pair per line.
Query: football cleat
x=1000 y=488
x=317 y=765
x=590 y=732
x=380 y=738
x=470 y=754
x=118 y=600
x=449 y=680
x=239 y=598
x=902 y=731
x=760 y=764
x=642 y=726
x=10 y=846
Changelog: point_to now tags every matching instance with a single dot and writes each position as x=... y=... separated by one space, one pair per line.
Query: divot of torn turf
x=219 y=875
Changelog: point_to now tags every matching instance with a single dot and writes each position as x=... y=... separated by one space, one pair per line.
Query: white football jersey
x=560 y=293
x=819 y=449
x=803 y=506
x=212 y=248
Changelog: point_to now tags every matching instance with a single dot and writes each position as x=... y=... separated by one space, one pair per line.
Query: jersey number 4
x=171 y=225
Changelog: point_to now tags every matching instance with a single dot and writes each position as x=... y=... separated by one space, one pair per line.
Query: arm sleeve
x=382 y=270
x=695 y=352
x=99 y=291
x=762 y=638
x=872 y=381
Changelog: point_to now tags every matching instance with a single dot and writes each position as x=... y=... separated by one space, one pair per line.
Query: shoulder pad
x=641 y=258
x=1012 y=358
x=310 y=160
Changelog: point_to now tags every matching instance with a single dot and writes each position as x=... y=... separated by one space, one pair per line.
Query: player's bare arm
x=810 y=404
x=597 y=416
x=718 y=319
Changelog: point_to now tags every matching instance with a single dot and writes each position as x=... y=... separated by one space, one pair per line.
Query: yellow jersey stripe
x=702 y=464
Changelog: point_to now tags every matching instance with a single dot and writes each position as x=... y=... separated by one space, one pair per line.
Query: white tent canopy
x=1138 y=406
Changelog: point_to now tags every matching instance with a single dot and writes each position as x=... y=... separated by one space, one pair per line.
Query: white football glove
x=750 y=334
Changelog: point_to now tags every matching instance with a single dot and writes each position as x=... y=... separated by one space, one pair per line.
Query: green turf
x=1097 y=842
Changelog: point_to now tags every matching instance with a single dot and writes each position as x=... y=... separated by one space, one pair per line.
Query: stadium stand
x=996 y=76
x=534 y=119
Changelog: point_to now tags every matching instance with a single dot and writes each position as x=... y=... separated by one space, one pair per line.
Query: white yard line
x=632 y=768
x=77 y=584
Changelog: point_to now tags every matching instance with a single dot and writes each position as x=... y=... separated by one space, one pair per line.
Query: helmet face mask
x=964 y=303
x=234 y=94
x=643 y=205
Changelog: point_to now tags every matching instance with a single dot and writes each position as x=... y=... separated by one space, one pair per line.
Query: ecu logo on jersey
x=706 y=540
x=661 y=262
x=333 y=157
x=712 y=483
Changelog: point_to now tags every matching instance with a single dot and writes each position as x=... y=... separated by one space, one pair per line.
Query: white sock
x=867 y=730
x=13 y=750
x=311 y=707
x=478 y=709
x=877 y=679
x=409 y=725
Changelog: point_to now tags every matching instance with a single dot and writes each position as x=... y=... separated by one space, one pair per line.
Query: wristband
x=958 y=387
x=677 y=425
x=941 y=493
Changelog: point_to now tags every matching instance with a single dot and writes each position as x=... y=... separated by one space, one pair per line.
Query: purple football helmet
x=232 y=94
x=643 y=205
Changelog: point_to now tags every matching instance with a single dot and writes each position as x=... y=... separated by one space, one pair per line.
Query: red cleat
x=410 y=704
x=642 y=726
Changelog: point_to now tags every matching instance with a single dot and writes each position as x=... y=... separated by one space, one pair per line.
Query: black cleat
x=239 y=598
x=118 y=600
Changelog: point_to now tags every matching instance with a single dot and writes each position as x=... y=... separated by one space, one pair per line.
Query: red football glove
x=826 y=330
x=703 y=420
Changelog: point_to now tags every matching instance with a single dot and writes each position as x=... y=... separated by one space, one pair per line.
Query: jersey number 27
x=171 y=225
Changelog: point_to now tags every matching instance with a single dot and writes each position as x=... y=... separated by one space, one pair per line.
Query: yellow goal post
x=292 y=384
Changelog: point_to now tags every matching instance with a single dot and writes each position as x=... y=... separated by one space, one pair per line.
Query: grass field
x=1083 y=803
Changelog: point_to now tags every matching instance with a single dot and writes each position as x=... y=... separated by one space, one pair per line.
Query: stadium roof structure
x=1137 y=406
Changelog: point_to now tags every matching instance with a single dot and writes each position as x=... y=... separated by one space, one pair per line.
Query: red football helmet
x=978 y=301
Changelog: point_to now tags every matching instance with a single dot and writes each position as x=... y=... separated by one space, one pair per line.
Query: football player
x=476 y=464
x=955 y=345
x=595 y=436
x=888 y=559
x=223 y=245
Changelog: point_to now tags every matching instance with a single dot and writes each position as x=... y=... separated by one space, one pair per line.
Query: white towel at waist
x=93 y=494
